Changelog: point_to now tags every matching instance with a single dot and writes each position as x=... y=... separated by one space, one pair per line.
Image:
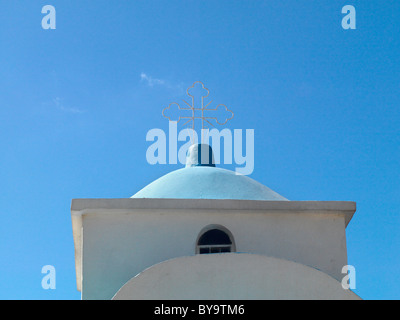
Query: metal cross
x=197 y=110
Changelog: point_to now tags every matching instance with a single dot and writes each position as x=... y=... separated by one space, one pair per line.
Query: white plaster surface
x=232 y=277
x=119 y=239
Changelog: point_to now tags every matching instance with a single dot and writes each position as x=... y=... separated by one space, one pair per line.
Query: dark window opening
x=214 y=241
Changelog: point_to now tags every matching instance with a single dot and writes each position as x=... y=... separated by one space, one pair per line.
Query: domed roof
x=202 y=180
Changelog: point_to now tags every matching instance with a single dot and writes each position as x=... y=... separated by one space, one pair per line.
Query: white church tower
x=203 y=232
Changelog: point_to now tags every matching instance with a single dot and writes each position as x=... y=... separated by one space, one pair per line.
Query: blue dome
x=207 y=182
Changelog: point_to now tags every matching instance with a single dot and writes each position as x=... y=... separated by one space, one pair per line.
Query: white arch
x=232 y=276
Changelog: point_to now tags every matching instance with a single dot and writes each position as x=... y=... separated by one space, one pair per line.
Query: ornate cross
x=197 y=110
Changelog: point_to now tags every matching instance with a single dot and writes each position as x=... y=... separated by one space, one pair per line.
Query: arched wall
x=232 y=276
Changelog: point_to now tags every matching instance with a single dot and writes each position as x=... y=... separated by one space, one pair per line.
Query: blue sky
x=75 y=110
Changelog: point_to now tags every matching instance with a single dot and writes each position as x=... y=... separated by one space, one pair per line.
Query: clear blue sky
x=74 y=109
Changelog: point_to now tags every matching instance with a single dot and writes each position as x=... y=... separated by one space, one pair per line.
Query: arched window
x=215 y=239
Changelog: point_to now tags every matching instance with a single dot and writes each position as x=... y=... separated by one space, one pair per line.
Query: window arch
x=215 y=239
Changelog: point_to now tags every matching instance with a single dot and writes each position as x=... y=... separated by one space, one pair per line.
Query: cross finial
x=198 y=109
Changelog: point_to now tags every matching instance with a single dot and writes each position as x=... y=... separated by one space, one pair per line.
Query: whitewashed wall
x=118 y=245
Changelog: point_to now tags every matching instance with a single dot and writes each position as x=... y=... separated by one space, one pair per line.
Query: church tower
x=203 y=232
